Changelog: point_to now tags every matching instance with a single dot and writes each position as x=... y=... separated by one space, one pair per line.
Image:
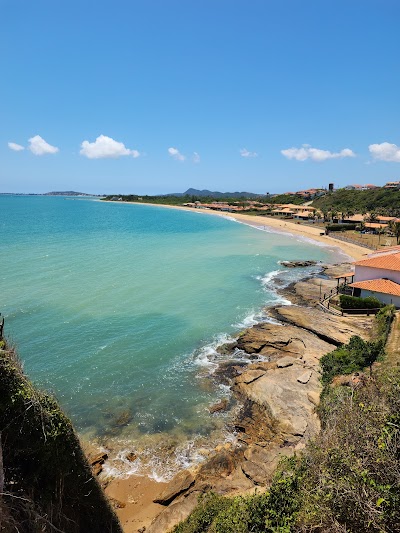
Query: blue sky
x=158 y=96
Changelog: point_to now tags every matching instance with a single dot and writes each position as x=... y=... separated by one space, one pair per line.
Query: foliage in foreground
x=348 y=478
x=46 y=482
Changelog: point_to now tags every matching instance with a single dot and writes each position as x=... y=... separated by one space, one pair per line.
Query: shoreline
x=258 y=439
x=351 y=250
x=133 y=497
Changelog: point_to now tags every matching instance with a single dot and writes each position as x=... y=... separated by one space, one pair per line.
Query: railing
x=326 y=304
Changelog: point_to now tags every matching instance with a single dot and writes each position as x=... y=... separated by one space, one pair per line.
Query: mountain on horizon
x=216 y=194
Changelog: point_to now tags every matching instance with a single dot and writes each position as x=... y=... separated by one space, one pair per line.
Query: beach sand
x=136 y=492
x=286 y=226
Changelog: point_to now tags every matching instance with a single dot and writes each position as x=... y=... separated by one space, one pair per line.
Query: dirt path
x=393 y=344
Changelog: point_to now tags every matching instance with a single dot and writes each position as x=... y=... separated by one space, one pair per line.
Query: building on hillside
x=379 y=275
x=392 y=185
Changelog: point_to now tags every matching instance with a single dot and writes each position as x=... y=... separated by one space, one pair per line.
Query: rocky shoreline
x=278 y=397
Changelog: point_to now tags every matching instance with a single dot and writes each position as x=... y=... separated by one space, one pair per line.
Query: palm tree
x=394 y=226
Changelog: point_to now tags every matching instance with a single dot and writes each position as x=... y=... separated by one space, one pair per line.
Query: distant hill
x=216 y=194
x=67 y=193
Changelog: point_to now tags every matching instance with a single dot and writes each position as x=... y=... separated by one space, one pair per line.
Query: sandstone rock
x=274 y=341
x=285 y=362
x=256 y=473
x=180 y=483
x=97 y=469
x=314 y=397
x=305 y=377
x=219 y=465
x=249 y=375
x=98 y=458
x=330 y=328
x=174 y=513
x=309 y=292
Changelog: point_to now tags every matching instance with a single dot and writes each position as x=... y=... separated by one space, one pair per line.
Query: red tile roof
x=384 y=286
x=386 y=261
x=387 y=249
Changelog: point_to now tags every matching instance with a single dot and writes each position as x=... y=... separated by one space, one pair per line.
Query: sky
x=156 y=96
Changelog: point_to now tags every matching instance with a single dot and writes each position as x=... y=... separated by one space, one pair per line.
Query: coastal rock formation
x=333 y=329
x=297 y=264
x=276 y=340
x=278 y=394
x=179 y=484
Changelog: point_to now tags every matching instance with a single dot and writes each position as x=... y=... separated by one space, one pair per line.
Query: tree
x=394 y=226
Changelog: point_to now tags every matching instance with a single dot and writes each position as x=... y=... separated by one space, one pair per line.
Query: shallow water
x=117 y=309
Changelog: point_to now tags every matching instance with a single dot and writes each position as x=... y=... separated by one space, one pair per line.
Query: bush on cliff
x=48 y=485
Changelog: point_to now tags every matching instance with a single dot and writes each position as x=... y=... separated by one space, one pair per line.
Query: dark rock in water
x=131 y=456
x=220 y=406
x=227 y=371
x=96 y=463
x=99 y=458
x=297 y=264
x=179 y=484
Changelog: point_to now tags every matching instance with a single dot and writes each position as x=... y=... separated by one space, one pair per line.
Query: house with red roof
x=379 y=275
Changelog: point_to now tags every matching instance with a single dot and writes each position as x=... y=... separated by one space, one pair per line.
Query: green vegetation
x=46 y=481
x=341 y=227
x=348 y=478
x=380 y=201
x=354 y=302
x=180 y=200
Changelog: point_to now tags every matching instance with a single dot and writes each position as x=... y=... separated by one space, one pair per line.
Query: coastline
x=291 y=228
x=133 y=497
x=286 y=384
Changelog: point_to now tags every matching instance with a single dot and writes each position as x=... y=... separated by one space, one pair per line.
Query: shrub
x=340 y=227
x=353 y=302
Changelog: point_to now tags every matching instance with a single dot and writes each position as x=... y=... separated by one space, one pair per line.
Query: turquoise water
x=117 y=309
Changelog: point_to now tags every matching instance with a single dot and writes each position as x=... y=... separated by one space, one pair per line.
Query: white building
x=379 y=275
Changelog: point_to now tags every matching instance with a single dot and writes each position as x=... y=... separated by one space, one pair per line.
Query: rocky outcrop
x=179 y=484
x=330 y=328
x=278 y=393
x=297 y=264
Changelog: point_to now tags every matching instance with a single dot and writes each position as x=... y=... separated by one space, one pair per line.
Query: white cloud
x=196 y=157
x=175 y=153
x=245 y=153
x=38 y=146
x=315 y=154
x=104 y=147
x=385 y=152
x=16 y=147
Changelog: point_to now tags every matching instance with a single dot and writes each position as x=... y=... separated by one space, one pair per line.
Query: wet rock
x=297 y=264
x=131 y=457
x=97 y=469
x=179 y=484
x=220 y=406
x=96 y=462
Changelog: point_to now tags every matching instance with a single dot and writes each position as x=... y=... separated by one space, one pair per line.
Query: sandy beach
x=286 y=226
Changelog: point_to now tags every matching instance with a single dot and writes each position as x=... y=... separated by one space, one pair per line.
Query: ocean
x=118 y=309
